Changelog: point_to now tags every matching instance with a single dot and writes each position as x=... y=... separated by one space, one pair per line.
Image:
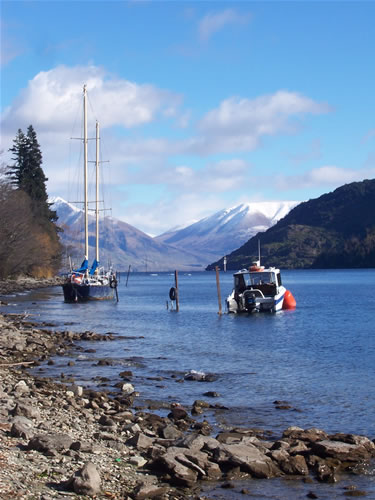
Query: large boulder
x=246 y=456
x=362 y=449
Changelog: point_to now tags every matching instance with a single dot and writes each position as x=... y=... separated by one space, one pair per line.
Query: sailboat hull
x=83 y=293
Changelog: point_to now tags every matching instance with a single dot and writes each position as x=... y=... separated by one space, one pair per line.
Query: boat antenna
x=259 y=251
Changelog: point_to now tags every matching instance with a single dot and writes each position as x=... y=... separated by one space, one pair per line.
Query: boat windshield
x=260 y=278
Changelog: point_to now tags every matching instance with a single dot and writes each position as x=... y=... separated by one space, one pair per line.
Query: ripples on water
x=319 y=358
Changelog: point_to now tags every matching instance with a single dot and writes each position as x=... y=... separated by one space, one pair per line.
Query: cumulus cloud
x=52 y=98
x=324 y=177
x=239 y=124
x=213 y=22
x=52 y=103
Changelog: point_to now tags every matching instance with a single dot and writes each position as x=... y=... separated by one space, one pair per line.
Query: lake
x=318 y=358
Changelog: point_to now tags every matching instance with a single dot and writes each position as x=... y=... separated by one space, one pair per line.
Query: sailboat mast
x=97 y=192
x=86 y=208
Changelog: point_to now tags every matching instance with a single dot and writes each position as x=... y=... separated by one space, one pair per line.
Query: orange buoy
x=289 y=301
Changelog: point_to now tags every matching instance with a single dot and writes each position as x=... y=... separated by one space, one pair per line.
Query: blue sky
x=202 y=105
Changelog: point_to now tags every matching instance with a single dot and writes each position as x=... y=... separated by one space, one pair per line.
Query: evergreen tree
x=27 y=173
x=41 y=245
x=19 y=154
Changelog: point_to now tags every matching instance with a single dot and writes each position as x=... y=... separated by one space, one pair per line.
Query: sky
x=202 y=105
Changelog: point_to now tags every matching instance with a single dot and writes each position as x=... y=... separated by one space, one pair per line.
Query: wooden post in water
x=177 y=295
x=218 y=289
x=127 y=277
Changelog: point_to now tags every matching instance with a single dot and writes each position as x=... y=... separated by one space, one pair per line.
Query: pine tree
x=19 y=154
x=27 y=173
x=42 y=245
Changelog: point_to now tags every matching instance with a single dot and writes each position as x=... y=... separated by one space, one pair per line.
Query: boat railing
x=255 y=291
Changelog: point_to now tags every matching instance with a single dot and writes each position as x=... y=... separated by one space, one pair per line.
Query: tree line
x=29 y=235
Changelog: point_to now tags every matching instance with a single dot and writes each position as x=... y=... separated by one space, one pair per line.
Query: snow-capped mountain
x=227 y=230
x=120 y=243
x=186 y=248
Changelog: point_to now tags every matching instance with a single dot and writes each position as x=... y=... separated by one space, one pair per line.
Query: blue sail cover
x=93 y=267
x=83 y=268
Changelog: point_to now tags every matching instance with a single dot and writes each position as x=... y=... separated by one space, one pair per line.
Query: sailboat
x=94 y=283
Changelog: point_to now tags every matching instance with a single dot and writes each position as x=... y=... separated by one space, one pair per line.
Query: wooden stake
x=177 y=295
x=218 y=289
x=127 y=277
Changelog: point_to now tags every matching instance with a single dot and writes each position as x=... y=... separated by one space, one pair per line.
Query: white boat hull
x=250 y=301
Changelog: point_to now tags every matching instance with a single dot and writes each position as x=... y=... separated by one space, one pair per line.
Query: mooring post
x=218 y=288
x=127 y=277
x=177 y=295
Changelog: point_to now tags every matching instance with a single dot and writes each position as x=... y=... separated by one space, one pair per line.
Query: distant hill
x=336 y=230
x=224 y=231
x=120 y=243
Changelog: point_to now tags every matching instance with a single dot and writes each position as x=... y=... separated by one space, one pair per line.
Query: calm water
x=319 y=358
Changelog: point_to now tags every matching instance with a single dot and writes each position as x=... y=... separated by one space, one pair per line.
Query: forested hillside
x=336 y=230
x=29 y=241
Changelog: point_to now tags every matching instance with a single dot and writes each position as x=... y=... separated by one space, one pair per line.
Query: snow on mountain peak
x=60 y=202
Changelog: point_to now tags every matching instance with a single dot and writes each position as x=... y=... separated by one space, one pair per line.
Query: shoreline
x=130 y=453
x=24 y=283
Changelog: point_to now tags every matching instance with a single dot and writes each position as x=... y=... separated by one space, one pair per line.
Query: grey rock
x=181 y=474
x=170 y=432
x=86 y=481
x=326 y=474
x=294 y=465
x=342 y=451
x=311 y=435
x=247 y=457
x=21 y=430
x=140 y=441
x=145 y=490
x=50 y=444
x=26 y=410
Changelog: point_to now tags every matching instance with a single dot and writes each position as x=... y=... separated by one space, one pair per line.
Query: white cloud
x=239 y=124
x=215 y=21
x=324 y=177
x=52 y=98
x=52 y=103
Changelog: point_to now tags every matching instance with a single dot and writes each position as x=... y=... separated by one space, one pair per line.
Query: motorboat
x=259 y=289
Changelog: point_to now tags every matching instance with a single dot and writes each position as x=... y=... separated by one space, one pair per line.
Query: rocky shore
x=25 y=283
x=60 y=440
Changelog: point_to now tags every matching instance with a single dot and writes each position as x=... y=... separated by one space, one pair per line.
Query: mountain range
x=186 y=249
x=226 y=230
x=120 y=243
x=336 y=230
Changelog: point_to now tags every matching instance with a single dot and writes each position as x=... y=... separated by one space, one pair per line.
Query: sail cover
x=93 y=267
x=83 y=268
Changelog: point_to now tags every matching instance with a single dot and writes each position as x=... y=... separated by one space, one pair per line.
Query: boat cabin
x=264 y=280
